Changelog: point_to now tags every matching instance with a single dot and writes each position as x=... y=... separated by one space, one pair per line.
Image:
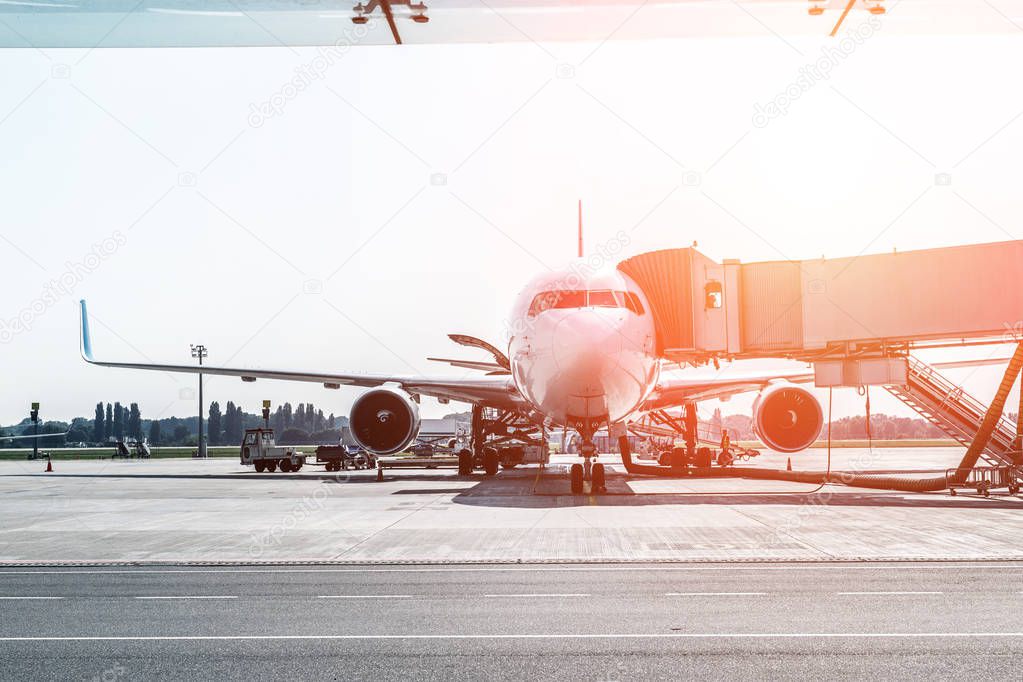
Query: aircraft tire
x=575 y=477
x=597 y=474
x=490 y=461
x=464 y=462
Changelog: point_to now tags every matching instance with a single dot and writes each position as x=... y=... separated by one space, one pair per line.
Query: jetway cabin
x=874 y=306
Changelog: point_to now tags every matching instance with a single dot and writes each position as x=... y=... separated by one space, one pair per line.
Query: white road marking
x=536 y=594
x=365 y=596
x=533 y=568
x=640 y=635
x=27 y=598
x=197 y=596
x=715 y=594
x=884 y=593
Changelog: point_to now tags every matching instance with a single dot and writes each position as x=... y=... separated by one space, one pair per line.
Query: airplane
x=580 y=358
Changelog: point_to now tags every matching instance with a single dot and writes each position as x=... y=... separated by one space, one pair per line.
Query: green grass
x=218 y=451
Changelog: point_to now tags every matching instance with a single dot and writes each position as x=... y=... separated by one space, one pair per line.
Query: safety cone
x=788 y=465
x=49 y=464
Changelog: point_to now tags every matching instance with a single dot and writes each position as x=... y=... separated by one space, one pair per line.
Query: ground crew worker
x=725 y=456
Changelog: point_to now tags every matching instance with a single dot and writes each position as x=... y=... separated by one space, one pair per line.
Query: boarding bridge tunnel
x=857 y=320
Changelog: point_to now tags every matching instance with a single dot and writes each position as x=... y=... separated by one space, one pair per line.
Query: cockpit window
x=633 y=303
x=598 y=298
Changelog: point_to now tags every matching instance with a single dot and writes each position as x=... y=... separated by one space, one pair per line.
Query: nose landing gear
x=587 y=471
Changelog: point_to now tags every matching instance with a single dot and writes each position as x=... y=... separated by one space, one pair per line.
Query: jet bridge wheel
x=575 y=476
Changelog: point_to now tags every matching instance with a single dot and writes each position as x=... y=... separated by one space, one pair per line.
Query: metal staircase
x=954 y=411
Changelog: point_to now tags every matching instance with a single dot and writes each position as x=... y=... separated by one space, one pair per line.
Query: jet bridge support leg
x=1018 y=447
x=689 y=419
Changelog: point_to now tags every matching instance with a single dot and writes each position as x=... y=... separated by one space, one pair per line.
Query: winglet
x=86 y=339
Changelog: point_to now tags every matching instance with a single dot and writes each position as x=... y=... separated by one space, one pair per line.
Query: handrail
x=955 y=411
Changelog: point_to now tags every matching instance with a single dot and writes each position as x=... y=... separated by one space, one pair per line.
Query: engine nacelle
x=786 y=417
x=384 y=420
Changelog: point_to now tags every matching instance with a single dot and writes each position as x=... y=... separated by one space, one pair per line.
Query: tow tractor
x=260 y=450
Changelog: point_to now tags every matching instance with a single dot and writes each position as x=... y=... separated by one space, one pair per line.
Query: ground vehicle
x=422 y=450
x=139 y=449
x=506 y=456
x=338 y=457
x=259 y=449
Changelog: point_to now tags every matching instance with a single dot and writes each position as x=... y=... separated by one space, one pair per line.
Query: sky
x=404 y=193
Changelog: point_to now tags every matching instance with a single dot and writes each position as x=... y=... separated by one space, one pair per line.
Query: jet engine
x=786 y=417
x=384 y=420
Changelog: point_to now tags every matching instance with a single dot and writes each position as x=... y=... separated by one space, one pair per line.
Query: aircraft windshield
x=597 y=298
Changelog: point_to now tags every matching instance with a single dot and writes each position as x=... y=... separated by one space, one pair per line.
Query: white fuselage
x=582 y=347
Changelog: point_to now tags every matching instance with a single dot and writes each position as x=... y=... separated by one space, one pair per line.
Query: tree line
x=882 y=427
x=112 y=422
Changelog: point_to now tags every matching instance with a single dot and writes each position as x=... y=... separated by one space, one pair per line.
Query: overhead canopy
x=235 y=23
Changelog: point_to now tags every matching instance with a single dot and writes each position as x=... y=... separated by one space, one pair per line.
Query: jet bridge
x=876 y=306
x=856 y=319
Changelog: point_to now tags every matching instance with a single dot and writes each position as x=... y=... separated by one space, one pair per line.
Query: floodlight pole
x=35 y=423
x=199 y=351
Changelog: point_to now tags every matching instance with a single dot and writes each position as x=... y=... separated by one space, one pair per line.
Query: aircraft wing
x=41 y=435
x=491 y=391
x=674 y=391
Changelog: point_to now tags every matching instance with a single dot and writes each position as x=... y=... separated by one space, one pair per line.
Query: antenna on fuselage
x=580 y=228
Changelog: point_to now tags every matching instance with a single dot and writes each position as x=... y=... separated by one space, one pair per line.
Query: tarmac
x=217 y=511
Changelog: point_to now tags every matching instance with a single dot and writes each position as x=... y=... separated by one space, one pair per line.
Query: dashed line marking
x=196 y=596
x=365 y=596
x=715 y=594
x=884 y=593
x=537 y=594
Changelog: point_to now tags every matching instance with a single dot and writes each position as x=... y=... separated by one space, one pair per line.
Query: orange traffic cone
x=49 y=464
x=788 y=465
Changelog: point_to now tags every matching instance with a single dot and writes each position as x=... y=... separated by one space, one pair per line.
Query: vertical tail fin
x=580 y=228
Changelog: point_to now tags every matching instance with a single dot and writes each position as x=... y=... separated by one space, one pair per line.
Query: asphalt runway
x=601 y=621
x=219 y=511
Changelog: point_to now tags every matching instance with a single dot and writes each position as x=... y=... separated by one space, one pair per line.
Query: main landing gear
x=590 y=471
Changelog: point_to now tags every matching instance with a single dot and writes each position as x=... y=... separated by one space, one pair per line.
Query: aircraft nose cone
x=587 y=344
